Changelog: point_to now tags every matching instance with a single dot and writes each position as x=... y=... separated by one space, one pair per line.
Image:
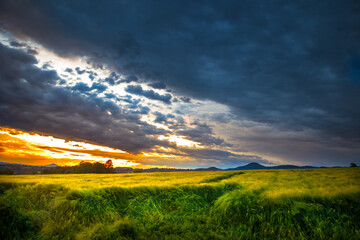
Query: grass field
x=276 y=204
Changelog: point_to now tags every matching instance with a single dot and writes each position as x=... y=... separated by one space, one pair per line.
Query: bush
x=83 y=167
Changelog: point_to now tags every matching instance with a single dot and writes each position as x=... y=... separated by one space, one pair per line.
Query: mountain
x=17 y=168
x=257 y=166
x=52 y=165
x=32 y=169
x=25 y=165
x=208 y=169
x=250 y=166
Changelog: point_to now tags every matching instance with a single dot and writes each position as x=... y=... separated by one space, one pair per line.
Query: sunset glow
x=143 y=119
x=48 y=141
x=22 y=145
x=32 y=148
x=211 y=90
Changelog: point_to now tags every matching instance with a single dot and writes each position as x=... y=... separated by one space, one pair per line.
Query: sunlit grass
x=310 y=181
x=276 y=204
x=90 y=181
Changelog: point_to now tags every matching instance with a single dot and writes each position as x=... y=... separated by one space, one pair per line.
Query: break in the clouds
x=285 y=75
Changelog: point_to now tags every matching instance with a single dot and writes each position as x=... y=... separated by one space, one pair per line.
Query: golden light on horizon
x=31 y=148
x=26 y=146
x=50 y=141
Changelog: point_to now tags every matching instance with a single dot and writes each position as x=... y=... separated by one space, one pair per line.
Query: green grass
x=278 y=204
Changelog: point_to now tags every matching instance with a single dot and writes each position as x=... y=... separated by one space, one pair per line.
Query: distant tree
x=353 y=165
x=137 y=171
x=84 y=167
x=109 y=164
x=99 y=168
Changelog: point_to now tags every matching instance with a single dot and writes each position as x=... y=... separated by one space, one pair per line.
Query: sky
x=180 y=84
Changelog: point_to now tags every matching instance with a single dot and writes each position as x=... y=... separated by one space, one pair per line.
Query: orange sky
x=31 y=148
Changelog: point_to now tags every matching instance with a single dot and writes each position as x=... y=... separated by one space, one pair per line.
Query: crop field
x=267 y=204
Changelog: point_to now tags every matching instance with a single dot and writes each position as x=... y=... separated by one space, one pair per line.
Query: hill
x=257 y=166
x=16 y=168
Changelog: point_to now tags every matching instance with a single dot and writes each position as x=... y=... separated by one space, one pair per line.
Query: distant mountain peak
x=258 y=166
x=213 y=169
x=52 y=165
x=208 y=169
x=254 y=164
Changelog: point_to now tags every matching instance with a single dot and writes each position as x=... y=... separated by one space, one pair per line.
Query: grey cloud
x=269 y=62
x=110 y=95
x=79 y=71
x=291 y=65
x=112 y=78
x=211 y=157
x=158 y=85
x=185 y=99
x=92 y=76
x=129 y=79
x=17 y=44
x=182 y=99
x=137 y=90
x=162 y=118
x=32 y=51
x=69 y=70
x=144 y=110
x=202 y=133
x=98 y=87
x=81 y=87
x=30 y=101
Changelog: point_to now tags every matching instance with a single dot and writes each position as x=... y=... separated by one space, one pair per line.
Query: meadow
x=267 y=204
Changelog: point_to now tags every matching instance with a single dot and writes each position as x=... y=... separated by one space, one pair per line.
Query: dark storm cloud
x=129 y=79
x=158 y=85
x=202 y=133
x=218 y=158
x=112 y=78
x=289 y=65
x=224 y=158
x=17 y=44
x=151 y=94
x=278 y=62
x=32 y=51
x=99 y=87
x=30 y=101
x=162 y=118
x=81 y=87
x=143 y=110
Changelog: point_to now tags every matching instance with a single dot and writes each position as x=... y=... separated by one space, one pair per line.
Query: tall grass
x=285 y=204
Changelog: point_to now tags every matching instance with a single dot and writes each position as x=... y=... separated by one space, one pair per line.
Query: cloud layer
x=289 y=66
x=30 y=100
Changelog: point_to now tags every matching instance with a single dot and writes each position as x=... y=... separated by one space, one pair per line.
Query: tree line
x=83 y=167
